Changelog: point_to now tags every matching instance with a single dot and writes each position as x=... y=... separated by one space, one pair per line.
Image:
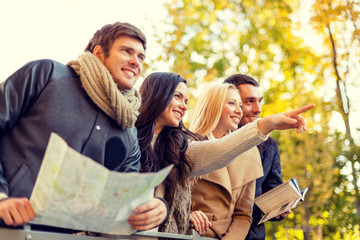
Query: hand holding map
x=73 y=191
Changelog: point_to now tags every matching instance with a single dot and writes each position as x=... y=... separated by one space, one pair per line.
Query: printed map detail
x=73 y=191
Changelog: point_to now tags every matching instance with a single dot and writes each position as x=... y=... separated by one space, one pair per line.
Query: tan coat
x=226 y=196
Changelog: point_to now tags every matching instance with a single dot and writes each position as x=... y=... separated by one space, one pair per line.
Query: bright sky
x=60 y=30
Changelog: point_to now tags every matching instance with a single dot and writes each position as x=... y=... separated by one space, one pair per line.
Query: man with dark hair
x=90 y=103
x=251 y=97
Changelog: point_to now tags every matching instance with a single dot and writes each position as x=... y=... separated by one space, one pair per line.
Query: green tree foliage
x=338 y=23
x=310 y=157
x=210 y=40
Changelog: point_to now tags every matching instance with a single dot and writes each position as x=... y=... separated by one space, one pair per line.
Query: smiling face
x=175 y=111
x=124 y=62
x=230 y=115
x=251 y=97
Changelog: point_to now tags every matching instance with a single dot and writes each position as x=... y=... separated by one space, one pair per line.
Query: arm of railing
x=27 y=234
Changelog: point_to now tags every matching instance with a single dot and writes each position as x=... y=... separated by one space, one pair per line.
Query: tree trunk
x=344 y=108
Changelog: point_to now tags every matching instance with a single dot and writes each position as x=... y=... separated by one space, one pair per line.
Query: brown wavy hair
x=110 y=32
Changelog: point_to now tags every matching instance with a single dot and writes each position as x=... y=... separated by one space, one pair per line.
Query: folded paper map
x=73 y=191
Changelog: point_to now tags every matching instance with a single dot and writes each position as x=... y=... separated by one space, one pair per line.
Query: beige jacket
x=226 y=196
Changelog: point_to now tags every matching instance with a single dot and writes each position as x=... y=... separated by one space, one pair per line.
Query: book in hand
x=280 y=199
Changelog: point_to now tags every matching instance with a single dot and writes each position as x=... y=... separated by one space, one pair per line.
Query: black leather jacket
x=46 y=96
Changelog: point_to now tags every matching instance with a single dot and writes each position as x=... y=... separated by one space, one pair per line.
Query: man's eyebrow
x=131 y=49
x=249 y=98
x=253 y=98
x=127 y=47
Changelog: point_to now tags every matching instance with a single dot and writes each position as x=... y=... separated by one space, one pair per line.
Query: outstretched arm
x=208 y=156
x=286 y=120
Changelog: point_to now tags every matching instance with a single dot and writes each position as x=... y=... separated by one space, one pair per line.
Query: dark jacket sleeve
x=132 y=163
x=270 y=157
x=17 y=93
x=274 y=178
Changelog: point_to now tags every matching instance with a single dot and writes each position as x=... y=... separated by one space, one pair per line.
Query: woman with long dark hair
x=164 y=141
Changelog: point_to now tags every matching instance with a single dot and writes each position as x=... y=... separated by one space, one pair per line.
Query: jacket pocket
x=221 y=226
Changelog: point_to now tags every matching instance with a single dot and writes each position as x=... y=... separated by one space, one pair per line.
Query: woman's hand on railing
x=16 y=211
x=200 y=220
x=149 y=215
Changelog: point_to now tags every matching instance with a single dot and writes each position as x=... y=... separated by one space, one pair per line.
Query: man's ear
x=99 y=53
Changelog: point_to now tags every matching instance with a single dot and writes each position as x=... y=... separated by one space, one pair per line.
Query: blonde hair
x=208 y=108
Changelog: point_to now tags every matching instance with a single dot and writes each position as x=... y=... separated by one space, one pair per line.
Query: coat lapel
x=245 y=168
x=220 y=177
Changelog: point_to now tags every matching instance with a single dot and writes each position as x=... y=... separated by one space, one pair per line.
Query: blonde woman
x=223 y=199
x=164 y=140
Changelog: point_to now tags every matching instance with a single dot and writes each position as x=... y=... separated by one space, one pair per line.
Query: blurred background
x=300 y=51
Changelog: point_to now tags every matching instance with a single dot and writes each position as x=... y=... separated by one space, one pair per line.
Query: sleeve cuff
x=3 y=196
x=167 y=209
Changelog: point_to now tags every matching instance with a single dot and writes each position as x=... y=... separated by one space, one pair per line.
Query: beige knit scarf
x=122 y=106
